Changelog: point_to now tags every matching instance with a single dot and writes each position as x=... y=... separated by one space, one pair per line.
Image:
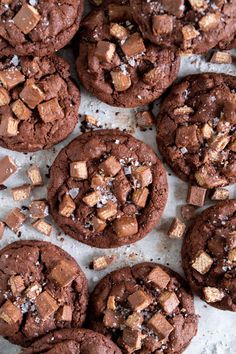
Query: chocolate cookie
x=192 y=26
x=38 y=102
x=116 y=64
x=107 y=189
x=73 y=341
x=209 y=255
x=147 y=308
x=39 y=27
x=196 y=129
x=42 y=289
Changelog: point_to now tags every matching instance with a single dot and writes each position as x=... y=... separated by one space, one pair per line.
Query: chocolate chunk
x=132 y=339
x=159 y=278
x=213 y=294
x=107 y=211
x=177 y=229
x=133 y=46
x=11 y=78
x=46 y=305
x=35 y=176
x=140 y=196
x=64 y=313
x=67 y=206
x=27 y=18
x=196 y=195
x=92 y=199
x=121 y=80
x=105 y=51
x=43 y=226
x=118 y=31
x=125 y=226
x=139 y=300
x=169 y=301
x=110 y=167
x=188 y=212
x=160 y=326
x=9 y=126
x=221 y=58
x=32 y=95
x=10 y=313
x=8 y=167
x=38 y=209
x=50 y=111
x=4 y=97
x=20 y=110
x=102 y=262
x=15 y=219
x=63 y=273
x=220 y=194
x=79 y=170
x=21 y=192
x=202 y=263
x=143 y=175
x=162 y=24
x=17 y=284
x=144 y=119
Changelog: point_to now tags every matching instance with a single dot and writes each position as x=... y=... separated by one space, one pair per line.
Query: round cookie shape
x=116 y=64
x=42 y=289
x=209 y=255
x=147 y=308
x=107 y=189
x=73 y=341
x=190 y=26
x=38 y=28
x=196 y=129
x=38 y=102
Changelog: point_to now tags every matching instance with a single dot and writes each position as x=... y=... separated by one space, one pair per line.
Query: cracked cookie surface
x=38 y=102
x=42 y=289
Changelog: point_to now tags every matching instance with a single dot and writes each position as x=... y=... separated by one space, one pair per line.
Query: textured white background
x=216 y=334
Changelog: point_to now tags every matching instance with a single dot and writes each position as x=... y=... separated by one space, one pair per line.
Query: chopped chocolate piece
x=117 y=11
x=38 y=209
x=209 y=22
x=162 y=24
x=198 y=5
x=102 y=262
x=8 y=126
x=159 y=278
x=50 y=111
x=20 y=110
x=32 y=95
x=43 y=226
x=4 y=97
x=64 y=313
x=35 y=176
x=33 y=290
x=10 y=313
x=125 y=226
x=90 y=120
x=107 y=211
x=139 y=300
x=11 y=78
x=111 y=319
x=188 y=212
x=79 y=170
x=2 y=228
x=207 y=131
x=134 y=320
x=213 y=294
x=160 y=326
x=93 y=198
x=232 y=255
x=196 y=195
x=27 y=18
x=67 y=206
x=220 y=194
x=16 y=284
x=134 y=45
x=221 y=58
x=46 y=305
x=118 y=31
x=21 y=192
x=169 y=301
x=144 y=119
x=186 y=136
x=63 y=273
x=121 y=80
x=202 y=263
x=8 y=168
x=110 y=166
x=177 y=229
x=189 y=32
x=15 y=219
x=132 y=339
x=140 y=196
x=231 y=240
x=98 y=224
x=111 y=303
x=105 y=51
x=97 y=181
x=143 y=174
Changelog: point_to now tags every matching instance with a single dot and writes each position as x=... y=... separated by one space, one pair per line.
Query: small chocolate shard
x=144 y=119
x=220 y=194
x=177 y=229
x=102 y=262
x=43 y=226
x=64 y=314
x=16 y=284
x=105 y=51
x=7 y=168
x=35 y=176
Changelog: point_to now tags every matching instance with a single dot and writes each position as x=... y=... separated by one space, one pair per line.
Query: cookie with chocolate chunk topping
x=147 y=308
x=209 y=255
x=192 y=26
x=196 y=129
x=107 y=189
x=42 y=289
x=116 y=64
x=38 y=102
x=39 y=27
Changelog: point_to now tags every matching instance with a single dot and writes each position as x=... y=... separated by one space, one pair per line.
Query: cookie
x=107 y=189
x=209 y=255
x=196 y=129
x=37 y=28
x=147 y=308
x=42 y=289
x=191 y=26
x=73 y=341
x=38 y=102
x=116 y=64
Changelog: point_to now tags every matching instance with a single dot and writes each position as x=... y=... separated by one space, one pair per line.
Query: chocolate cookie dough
x=209 y=255
x=42 y=289
x=73 y=341
x=116 y=64
x=38 y=102
x=147 y=308
x=196 y=129
x=39 y=27
x=107 y=189
x=192 y=26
